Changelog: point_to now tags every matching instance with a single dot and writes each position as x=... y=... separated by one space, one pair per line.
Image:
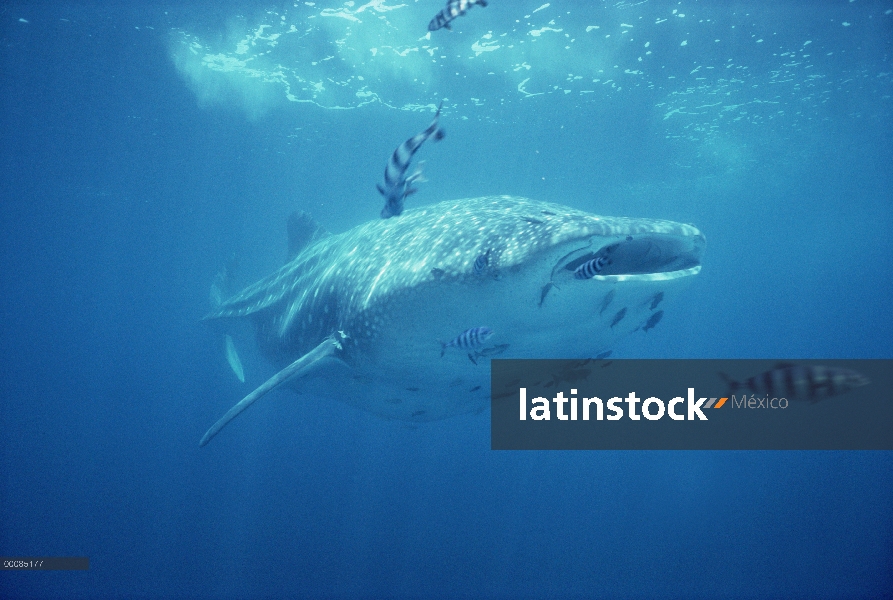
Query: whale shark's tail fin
x=300 y=367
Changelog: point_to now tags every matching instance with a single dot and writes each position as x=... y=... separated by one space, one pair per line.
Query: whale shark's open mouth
x=646 y=257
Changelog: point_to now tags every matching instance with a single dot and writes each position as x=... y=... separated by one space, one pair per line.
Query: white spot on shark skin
x=409 y=282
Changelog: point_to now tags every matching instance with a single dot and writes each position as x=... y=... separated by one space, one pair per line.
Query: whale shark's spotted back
x=398 y=289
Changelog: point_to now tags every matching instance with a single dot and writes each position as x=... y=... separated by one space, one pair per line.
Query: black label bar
x=45 y=563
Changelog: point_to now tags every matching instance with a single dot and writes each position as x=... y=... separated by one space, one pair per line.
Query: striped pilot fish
x=397 y=185
x=453 y=9
x=482 y=263
x=800 y=382
x=591 y=268
x=468 y=339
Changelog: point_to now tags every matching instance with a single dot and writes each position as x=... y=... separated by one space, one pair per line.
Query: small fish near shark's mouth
x=643 y=257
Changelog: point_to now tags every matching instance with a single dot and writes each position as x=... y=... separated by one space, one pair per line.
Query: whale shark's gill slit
x=381 y=273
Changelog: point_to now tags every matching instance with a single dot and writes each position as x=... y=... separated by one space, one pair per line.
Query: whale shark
x=366 y=316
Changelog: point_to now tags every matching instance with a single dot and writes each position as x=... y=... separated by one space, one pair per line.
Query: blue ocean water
x=145 y=147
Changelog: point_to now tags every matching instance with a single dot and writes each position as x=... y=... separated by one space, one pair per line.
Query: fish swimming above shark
x=397 y=184
x=359 y=316
x=453 y=9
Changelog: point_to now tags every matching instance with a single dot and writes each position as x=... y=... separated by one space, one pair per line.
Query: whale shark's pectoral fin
x=299 y=368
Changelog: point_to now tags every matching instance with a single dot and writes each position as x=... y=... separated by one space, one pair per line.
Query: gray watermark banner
x=692 y=404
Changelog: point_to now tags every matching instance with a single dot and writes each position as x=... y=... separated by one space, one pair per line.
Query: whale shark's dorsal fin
x=303 y=230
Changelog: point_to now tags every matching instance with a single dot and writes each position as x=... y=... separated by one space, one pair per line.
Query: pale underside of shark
x=362 y=316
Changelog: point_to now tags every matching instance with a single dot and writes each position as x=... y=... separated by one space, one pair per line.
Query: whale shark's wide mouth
x=643 y=257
